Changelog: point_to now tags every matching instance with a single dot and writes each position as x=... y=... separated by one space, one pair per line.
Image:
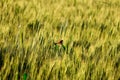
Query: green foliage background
x=90 y=30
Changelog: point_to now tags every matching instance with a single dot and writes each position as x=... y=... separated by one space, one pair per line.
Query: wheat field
x=90 y=30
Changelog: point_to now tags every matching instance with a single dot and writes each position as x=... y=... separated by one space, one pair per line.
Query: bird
x=59 y=42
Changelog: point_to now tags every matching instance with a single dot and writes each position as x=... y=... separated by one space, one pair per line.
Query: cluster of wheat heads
x=30 y=31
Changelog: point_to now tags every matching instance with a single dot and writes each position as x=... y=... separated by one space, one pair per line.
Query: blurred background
x=90 y=31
